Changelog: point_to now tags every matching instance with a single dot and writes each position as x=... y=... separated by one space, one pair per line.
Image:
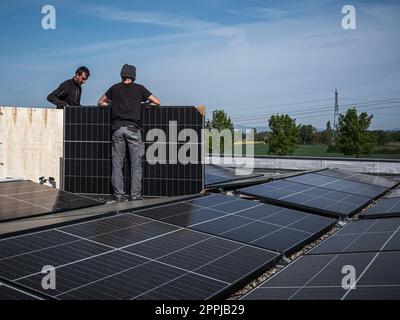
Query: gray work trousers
x=120 y=138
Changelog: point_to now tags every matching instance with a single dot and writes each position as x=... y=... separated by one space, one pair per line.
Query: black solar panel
x=215 y=175
x=385 y=208
x=315 y=277
x=363 y=236
x=87 y=152
x=359 y=177
x=394 y=194
x=10 y=293
x=130 y=257
x=305 y=197
x=337 y=184
x=266 y=226
x=22 y=199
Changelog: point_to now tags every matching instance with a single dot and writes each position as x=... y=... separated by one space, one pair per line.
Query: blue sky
x=251 y=58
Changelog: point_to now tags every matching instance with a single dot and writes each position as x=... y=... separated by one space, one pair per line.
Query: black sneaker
x=119 y=199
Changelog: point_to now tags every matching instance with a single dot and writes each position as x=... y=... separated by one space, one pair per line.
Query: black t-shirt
x=127 y=104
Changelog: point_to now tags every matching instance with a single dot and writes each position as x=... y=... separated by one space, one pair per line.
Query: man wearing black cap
x=69 y=92
x=126 y=98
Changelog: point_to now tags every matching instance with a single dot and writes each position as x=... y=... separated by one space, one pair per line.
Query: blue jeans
x=120 y=139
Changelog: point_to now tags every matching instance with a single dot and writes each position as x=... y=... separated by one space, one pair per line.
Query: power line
x=314 y=114
x=322 y=109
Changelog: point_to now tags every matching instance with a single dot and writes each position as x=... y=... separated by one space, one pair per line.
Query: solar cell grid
x=87 y=152
x=306 y=197
x=11 y=293
x=21 y=199
x=385 y=208
x=338 y=184
x=359 y=177
x=321 y=276
x=265 y=226
x=363 y=236
x=217 y=175
x=131 y=257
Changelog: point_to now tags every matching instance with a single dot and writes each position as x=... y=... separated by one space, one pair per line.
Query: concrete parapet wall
x=375 y=166
x=31 y=142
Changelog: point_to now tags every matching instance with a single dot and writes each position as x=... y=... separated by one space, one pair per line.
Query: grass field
x=316 y=150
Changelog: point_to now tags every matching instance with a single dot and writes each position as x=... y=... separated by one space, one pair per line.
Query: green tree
x=326 y=136
x=220 y=121
x=260 y=136
x=382 y=137
x=307 y=134
x=284 y=135
x=353 y=137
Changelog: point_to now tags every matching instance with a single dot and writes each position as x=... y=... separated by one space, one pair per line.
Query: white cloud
x=260 y=12
x=144 y=17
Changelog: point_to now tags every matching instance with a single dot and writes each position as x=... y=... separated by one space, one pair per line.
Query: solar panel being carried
x=385 y=208
x=266 y=226
x=168 y=131
x=305 y=197
x=363 y=236
x=22 y=199
x=315 y=277
x=131 y=257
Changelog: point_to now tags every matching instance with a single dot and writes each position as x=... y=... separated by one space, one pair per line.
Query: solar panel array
x=363 y=236
x=385 y=208
x=22 y=199
x=87 y=152
x=266 y=226
x=394 y=194
x=215 y=175
x=329 y=192
x=8 y=292
x=359 y=177
x=313 y=277
x=369 y=250
x=343 y=185
x=131 y=257
x=305 y=197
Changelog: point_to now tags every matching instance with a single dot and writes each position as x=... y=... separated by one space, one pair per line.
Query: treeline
x=351 y=136
x=310 y=135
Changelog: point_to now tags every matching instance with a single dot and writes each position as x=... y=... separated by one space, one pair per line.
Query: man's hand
x=103 y=101
x=154 y=100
